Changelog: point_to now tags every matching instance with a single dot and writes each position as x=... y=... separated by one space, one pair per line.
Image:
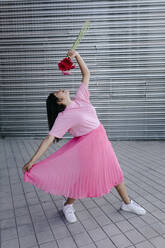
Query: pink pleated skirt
x=86 y=166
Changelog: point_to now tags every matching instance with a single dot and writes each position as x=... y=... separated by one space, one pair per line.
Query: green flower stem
x=82 y=32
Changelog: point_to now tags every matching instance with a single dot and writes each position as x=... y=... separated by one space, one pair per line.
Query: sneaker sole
x=132 y=211
x=70 y=221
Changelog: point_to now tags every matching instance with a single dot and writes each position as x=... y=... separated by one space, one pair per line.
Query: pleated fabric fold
x=85 y=166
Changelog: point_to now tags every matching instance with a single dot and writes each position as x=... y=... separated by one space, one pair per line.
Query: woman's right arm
x=83 y=67
x=40 y=151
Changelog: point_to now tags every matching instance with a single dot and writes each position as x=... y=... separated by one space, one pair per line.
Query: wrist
x=77 y=54
x=30 y=163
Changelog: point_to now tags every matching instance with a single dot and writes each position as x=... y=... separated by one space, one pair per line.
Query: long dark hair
x=53 y=108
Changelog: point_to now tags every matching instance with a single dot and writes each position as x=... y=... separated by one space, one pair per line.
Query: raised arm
x=83 y=67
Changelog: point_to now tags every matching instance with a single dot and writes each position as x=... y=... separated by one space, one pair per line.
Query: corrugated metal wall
x=124 y=49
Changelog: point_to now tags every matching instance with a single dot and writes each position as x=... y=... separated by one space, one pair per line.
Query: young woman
x=86 y=166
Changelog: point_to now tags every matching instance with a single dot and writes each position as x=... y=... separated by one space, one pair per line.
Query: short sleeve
x=60 y=126
x=82 y=93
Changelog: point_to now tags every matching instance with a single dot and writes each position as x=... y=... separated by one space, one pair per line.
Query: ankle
x=66 y=203
x=127 y=201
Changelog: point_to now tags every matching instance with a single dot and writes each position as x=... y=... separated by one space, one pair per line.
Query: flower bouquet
x=67 y=64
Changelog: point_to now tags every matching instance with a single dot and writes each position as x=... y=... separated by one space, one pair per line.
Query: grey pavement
x=31 y=218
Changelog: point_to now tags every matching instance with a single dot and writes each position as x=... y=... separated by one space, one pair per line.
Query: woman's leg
x=133 y=206
x=121 y=189
x=69 y=201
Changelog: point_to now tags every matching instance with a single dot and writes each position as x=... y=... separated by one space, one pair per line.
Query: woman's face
x=62 y=94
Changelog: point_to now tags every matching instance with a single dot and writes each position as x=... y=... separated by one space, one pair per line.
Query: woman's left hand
x=72 y=53
x=26 y=167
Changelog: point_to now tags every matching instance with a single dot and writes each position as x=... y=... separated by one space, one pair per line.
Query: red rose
x=65 y=65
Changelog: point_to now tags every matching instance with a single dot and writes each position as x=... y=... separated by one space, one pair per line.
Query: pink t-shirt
x=78 y=118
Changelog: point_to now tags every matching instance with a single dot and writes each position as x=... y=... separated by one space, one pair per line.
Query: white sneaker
x=133 y=207
x=68 y=204
x=68 y=211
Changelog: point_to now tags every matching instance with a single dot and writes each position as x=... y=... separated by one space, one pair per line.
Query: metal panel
x=124 y=50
